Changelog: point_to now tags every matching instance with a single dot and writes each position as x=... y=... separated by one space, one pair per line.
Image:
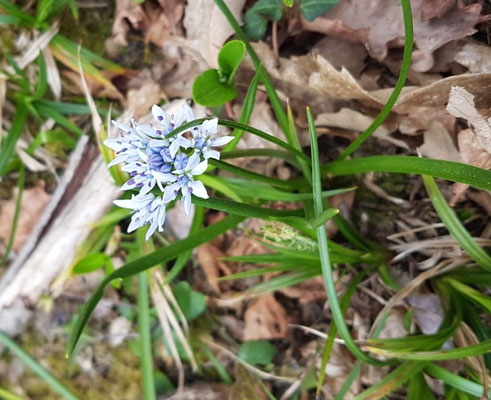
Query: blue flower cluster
x=153 y=158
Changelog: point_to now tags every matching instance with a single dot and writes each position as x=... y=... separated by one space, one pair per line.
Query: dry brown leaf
x=265 y=319
x=32 y=205
x=427 y=311
x=208 y=256
x=308 y=291
x=471 y=54
x=379 y=25
x=461 y=105
x=156 y=22
x=141 y=97
x=206 y=27
x=483 y=199
x=394 y=325
x=438 y=143
x=349 y=119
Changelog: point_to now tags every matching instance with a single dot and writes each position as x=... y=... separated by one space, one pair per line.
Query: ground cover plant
x=173 y=160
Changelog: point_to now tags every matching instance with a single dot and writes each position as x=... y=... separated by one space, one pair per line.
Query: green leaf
x=9 y=20
x=450 y=170
x=478 y=297
x=256 y=19
x=311 y=9
x=322 y=219
x=406 y=62
x=418 y=388
x=229 y=59
x=257 y=352
x=288 y=3
x=91 y=263
x=392 y=381
x=42 y=83
x=132 y=268
x=8 y=144
x=43 y=9
x=209 y=90
x=327 y=270
x=13 y=11
x=454 y=226
x=191 y=303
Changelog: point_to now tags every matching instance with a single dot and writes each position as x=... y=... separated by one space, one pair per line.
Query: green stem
x=326 y=265
x=406 y=62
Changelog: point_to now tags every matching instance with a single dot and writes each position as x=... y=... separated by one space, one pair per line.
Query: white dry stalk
x=52 y=73
x=416 y=230
x=35 y=47
x=429 y=246
x=175 y=324
x=370 y=185
x=159 y=299
x=170 y=297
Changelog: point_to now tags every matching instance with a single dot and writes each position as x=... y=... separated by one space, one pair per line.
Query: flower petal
x=170 y=193
x=220 y=141
x=199 y=189
x=161 y=116
x=211 y=154
x=200 y=168
x=186 y=199
x=209 y=126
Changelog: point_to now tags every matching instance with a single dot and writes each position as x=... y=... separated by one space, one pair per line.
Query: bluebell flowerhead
x=162 y=166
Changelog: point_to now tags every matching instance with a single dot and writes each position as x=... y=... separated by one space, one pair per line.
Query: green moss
x=116 y=372
x=92 y=28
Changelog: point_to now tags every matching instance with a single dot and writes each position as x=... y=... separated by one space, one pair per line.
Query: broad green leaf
x=91 y=262
x=229 y=59
x=132 y=268
x=209 y=90
x=191 y=303
x=311 y=9
x=256 y=19
x=257 y=352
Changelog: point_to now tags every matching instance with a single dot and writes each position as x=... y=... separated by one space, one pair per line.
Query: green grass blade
x=327 y=272
x=287 y=185
x=406 y=62
x=245 y=210
x=22 y=174
x=272 y=153
x=450 y=170
x=453 y=354
x=246 y=112
x=8 y=144
x=35 y=367
x=454 y=226
x=144 y=263
x=4 y=395
x=245 y=128
x=392 y=381
x=48 y=112
x=454 y=380
x=145 y=340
